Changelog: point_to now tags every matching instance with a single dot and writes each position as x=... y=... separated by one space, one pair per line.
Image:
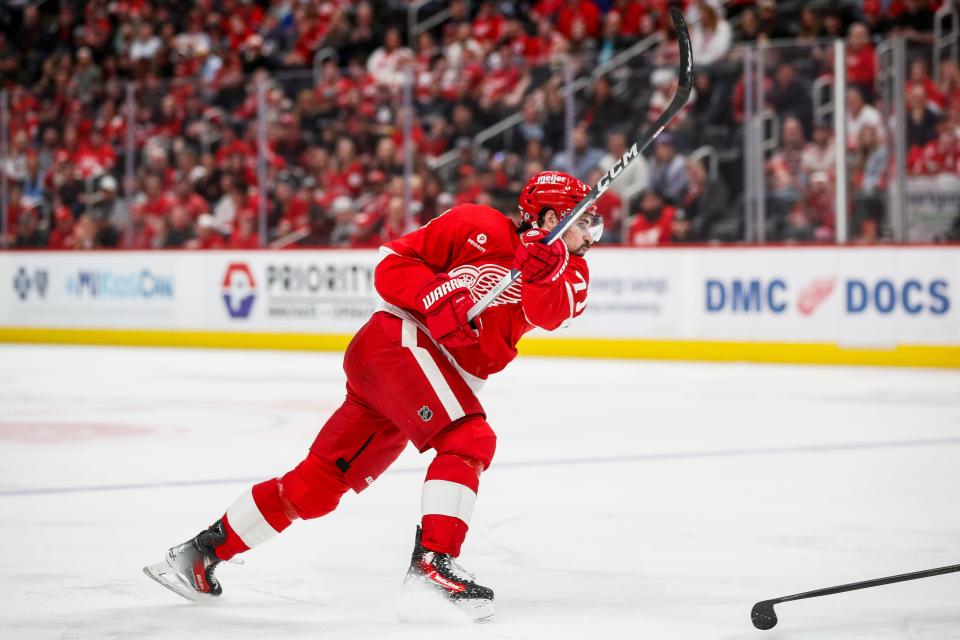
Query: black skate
x=440 y=574
x=188 y=568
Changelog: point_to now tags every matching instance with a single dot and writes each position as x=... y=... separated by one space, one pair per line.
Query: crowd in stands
x=138 y=123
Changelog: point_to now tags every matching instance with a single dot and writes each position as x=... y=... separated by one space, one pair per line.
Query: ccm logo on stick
x=617 y=168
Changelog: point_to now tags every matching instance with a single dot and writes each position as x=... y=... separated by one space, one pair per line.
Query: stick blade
x=763 y=615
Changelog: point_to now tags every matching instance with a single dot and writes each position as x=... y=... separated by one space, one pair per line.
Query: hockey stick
x=764 y=617
x=679 y=100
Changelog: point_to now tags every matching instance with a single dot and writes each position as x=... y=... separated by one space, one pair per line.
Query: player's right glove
x=540 y=262
x=444 y=302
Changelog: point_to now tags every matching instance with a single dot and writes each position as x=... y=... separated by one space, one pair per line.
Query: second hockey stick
x=764 y=617
x=684 y=84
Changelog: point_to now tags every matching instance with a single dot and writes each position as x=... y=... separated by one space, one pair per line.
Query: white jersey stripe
x=245 y=518
x=445 y=498
x=408 y=338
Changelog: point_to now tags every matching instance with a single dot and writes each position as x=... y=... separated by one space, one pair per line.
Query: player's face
x=578 y=238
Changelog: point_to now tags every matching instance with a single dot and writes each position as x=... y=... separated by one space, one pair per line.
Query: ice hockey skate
x=188 y=568
x=438 y=575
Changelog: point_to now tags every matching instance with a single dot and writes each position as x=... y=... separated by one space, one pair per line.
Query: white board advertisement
x=872 y=297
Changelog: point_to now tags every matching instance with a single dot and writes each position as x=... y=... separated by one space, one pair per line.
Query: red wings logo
x=480 y=279
x=813 y=295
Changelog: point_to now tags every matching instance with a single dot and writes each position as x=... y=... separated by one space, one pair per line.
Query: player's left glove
x=445 y=302
x=537 y=262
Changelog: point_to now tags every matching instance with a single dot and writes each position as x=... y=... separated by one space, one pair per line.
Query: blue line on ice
x=641 y=457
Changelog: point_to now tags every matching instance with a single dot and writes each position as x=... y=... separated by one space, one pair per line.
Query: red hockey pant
x=400 y=388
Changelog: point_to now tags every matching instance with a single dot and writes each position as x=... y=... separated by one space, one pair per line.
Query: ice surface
x=628 y=500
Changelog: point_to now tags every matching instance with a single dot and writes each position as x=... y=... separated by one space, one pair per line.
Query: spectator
x=388 y=63
x=145 y=45
x=710 y=38
x=634 y=178
x=85 y=234
x=653 y=224
x=789 y=97
x=179 y=228
x=602 y=109
x=920 y=77
x=859 y=115
x=27 y=232
x=921 y=119
x=668 y=177
x=610 y=207
x=585 y=158
x=914 y=20
x=61 y=237
x=208 y=234
x=811 y=219
x=819 y=155
x=788 y=181
x=578 y=17
x=704 y=203
x=861 y=60
x=343 y=211
x=869 y=169
x=245 y=234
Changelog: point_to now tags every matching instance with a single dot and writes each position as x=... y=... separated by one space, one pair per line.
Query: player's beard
x=581 y=250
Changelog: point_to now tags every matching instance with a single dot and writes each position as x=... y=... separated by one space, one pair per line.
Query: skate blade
x=164 y=575
x=422 y=603
x=480 y=611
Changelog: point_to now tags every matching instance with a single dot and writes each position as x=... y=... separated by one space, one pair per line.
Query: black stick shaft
x=684 y=84
x=866 y=584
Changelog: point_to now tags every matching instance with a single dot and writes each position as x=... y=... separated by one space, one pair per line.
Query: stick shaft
x=685 y=81
x=866 y=584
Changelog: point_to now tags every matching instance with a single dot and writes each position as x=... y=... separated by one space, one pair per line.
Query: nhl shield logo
x=425 y=413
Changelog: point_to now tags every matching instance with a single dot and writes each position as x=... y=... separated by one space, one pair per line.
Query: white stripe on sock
x=445 y=498
x=245 y=518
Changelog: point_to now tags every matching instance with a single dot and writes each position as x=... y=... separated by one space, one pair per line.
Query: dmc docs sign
x=89 y=289
x=868 y=297
x=318 y=291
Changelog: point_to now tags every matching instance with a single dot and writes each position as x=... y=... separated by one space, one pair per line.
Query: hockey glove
x=539 y=263
x=444 y=303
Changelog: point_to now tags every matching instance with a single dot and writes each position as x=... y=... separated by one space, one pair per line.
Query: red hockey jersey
x=478 y=243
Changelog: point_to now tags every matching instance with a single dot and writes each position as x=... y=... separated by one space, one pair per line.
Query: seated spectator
x=704 y=202
x=208 y=234
x=790 y=97
x=922 y=121
x=668 y=177
x=785 y=168
x=664 y=82
x=343 y=212
x=585 y=159
x=602 y=109
x=610 y=207
x=711 y=37
x=920 y=76
x=27 y=231
x=578 y=17
x=180 y=229
x=388 y=63
x=861 y=60
x=940 y=155
x=61 y=237
x=652 y=225
x=245 y=234
x=950 y=84
x=812 y=218
x=859 y=115
x=913 y=19
x=819 y=154
x=634 y=178
x=869 y=179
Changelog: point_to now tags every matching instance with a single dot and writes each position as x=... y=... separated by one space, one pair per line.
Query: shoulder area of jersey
x=477 y=213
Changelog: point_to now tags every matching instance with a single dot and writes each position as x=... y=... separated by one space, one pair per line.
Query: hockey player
x=412 y=373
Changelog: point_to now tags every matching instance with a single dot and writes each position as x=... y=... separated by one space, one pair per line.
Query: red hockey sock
x=449 y=493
